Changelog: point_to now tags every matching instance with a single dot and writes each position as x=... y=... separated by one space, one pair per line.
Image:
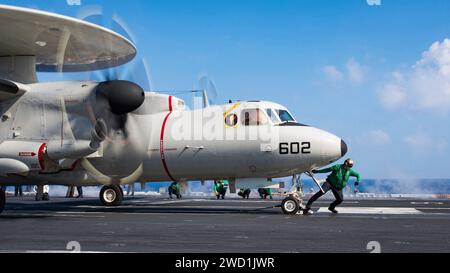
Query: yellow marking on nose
x=236 y=105
x=226 y=113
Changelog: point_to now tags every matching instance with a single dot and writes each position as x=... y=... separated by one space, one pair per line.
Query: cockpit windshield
x=273 y=116
x=285 y=116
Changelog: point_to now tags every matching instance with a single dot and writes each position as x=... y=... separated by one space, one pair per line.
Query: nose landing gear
x=293 y=202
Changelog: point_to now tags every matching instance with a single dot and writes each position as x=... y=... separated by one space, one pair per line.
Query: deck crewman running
x=336 y=182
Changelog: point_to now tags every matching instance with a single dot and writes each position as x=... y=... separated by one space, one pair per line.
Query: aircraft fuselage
x=160 y=141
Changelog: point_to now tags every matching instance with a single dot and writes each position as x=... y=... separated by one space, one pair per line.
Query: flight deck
x=155 y=224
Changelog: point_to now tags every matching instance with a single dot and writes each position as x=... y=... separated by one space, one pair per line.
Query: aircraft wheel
x=2 y=200
x=111 y=196
x=290 y=205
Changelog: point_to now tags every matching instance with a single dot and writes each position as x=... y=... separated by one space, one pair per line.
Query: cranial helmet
x=349 y=162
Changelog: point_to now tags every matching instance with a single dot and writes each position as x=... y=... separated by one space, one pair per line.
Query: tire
x=290 y=206
x=2 y=200
x=111 y=196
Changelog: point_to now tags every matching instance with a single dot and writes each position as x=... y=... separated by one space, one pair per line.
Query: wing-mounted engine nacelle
x=21 y=157
x=59 y=156
x=55 y=150
x=77 y=150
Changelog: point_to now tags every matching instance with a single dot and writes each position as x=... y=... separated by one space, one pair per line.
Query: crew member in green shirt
x=245 y=193
x=174 y=189
x=336 y=182
x=220 y=188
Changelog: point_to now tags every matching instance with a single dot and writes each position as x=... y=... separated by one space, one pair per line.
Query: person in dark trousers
x=245 y=193
x=336 y=182
x=174 y=189
x=18 y=191
x=80 y=192
x=265 y=192
x=220 y=188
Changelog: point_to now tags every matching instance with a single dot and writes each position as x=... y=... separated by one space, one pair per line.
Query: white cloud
x=392 y=96
x=424 y=86
x=377 y=137
x=332 y=73
x=355 y=72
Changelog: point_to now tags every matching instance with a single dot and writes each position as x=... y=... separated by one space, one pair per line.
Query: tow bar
x=315 y=181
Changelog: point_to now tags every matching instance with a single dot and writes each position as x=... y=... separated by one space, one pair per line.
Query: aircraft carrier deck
x=151 y=224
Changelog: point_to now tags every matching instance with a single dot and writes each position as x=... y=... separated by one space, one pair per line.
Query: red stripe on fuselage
x=161 y=140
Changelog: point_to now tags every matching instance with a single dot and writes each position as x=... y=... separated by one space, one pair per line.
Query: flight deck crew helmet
x=349 y=163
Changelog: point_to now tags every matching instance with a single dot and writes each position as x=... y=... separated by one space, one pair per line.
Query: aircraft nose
x=344 y=148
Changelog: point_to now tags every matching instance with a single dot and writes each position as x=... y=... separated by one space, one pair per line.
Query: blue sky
x=366 y=73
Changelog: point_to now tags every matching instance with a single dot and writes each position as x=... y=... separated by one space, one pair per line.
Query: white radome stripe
x=363 y=210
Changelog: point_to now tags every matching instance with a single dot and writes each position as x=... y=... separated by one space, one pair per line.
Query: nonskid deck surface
x=150 y=224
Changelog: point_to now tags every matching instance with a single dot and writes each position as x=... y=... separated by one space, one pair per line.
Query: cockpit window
x=252 y=117
x=285 y=116
x=273 y=116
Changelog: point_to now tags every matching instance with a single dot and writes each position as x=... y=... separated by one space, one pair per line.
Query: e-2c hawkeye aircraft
x=112 y=133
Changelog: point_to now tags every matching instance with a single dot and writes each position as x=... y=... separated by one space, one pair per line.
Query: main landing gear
x=111 y=196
